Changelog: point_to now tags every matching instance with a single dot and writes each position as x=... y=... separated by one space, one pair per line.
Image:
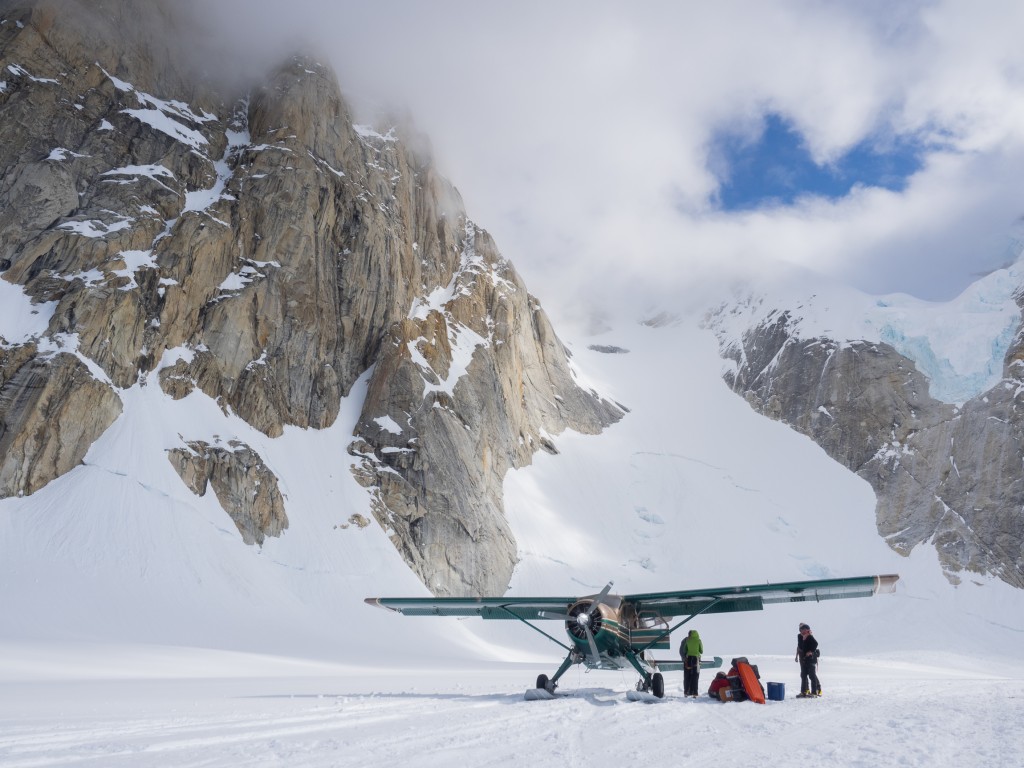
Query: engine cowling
x=581 y=616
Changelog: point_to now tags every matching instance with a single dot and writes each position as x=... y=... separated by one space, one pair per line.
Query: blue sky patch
x=776 y=169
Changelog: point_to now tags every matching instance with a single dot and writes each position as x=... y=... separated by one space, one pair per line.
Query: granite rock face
x=469 y=386
x=255 y=245
x=945 y=474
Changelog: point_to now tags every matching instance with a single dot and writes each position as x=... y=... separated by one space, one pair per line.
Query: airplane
x=609 y=631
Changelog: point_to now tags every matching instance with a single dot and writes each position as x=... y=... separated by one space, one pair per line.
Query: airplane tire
x=658 y=685
x=542 y=682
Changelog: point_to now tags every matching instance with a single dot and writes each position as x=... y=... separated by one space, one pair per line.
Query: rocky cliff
x=948 y=474
x=255 y=245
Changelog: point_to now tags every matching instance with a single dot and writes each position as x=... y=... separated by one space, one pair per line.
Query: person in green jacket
x=691 y=649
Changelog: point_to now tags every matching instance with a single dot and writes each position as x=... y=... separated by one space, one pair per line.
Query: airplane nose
x=583 y=619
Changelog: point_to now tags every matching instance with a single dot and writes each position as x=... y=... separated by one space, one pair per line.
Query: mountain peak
x=255 y=248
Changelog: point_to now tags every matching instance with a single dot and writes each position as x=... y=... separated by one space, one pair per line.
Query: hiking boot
x=804 y=695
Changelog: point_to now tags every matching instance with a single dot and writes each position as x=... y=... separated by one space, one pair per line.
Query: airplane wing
x=688 y=602
x=521 y=608
x=755 y=596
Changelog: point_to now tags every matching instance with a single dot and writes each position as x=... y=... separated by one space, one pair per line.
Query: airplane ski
x=644 y=696
x=539 y=694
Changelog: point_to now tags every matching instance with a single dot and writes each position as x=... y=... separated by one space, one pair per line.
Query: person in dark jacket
x=691 y=650
x=807 y=655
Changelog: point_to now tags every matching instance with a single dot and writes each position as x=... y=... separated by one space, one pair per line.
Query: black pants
x=691 y=675
x=809 y=669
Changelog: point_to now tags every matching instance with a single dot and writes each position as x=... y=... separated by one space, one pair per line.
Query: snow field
x=273 y=712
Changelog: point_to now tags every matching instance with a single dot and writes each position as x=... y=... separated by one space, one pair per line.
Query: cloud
x=581 y=133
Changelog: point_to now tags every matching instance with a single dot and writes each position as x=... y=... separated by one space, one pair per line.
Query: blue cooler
x=776 y=691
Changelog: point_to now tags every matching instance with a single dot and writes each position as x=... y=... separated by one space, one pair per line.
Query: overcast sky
x=611 y=145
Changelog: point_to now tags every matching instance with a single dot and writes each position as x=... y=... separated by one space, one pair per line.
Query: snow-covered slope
x=691 y=489
x=119 y=550
x=694 y=489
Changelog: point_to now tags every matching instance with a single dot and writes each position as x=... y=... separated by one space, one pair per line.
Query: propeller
x=581 y=622
x=600 y=597
x=594 y=654
x=595 y=607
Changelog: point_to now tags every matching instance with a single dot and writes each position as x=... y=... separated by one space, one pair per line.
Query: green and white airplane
x=609 y=631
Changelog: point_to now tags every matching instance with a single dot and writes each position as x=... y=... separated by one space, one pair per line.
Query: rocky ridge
x=947 y=474
x=257 y=246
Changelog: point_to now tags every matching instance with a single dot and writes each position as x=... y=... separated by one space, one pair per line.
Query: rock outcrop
x=245 y=488
x=52 y=409
x=470 y=385
x=256 y=245
x=946 y=474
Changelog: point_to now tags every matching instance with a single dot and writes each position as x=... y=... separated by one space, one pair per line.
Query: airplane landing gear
x=655 y=684
x=549 y=684
x=658 y=685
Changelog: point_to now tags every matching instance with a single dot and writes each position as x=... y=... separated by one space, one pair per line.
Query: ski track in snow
x=873 y=713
